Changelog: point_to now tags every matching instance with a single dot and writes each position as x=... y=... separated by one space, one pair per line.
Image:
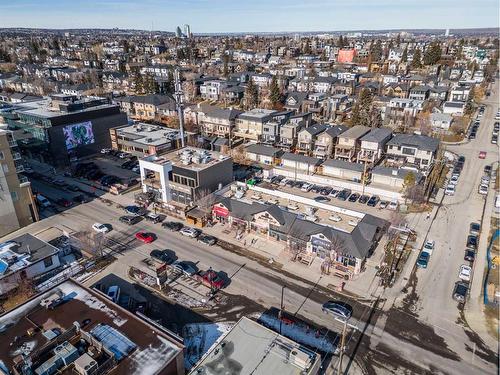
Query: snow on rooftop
x=150 y=360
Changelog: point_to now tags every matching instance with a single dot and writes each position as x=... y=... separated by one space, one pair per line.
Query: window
x=48 y=262
x=2 y=156
x=5 y=168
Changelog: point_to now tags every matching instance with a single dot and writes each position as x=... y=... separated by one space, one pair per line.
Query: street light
x=345 y=323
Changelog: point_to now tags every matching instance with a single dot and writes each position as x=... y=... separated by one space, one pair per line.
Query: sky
x=213 y=16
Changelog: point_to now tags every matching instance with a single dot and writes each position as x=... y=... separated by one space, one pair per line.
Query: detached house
x=219 y=122
x=263 y=154
x=326 y=141
x=373 y=145
x=349 y=143
x=307 y=138
x=419 y=92
x=249 y=125
x=413 y=150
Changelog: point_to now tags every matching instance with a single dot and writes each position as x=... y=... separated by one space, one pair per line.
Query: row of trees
x=364 y=112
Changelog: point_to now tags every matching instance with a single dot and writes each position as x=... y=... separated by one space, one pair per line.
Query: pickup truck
x=210 y=278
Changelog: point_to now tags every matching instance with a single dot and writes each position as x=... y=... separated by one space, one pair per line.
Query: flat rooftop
x=250 y=348
x=153 y=349
x=189 y=157
x=147 y=134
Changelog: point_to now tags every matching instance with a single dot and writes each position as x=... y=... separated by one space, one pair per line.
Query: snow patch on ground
x=299 y=332
x=150 y=360
x=199 y=338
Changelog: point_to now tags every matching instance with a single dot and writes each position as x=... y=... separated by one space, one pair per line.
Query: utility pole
x=281 y=307
x=342 y=344
x=179 y=97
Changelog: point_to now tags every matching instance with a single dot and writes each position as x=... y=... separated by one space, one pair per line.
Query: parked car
x=306 y=187
x=423 y=259
x=334 y=193
x=145 y=237
x=472 y=242
x=470 y=255
x=474 y=229
x=465 y=273
x=190 y=232
x=184 y=267
x=130 y=220
x=429 y=246
x=450 y=190
x=321 y=198
x=135 y=210
x=154 y=218
x=483 y=189
x=494 y=139
x=383 y=204
x=73 y=188
x=326 y=191
x=344 y=194
x=80 y=199
x=353 y=197
x=211 y=279
x=453 y=180
x=207 y=239
x=487 y=169
x=339 y=309
x=393 y=205
x=363 y=199
x=174 y=226
x=64 y=202
x=113 y=293
x=164 y=256
x=372 y=202
x=100 y=228
x=335 y=218
x=460 y=291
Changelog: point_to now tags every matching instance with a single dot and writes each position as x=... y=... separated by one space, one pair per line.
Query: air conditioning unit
x=300 y=358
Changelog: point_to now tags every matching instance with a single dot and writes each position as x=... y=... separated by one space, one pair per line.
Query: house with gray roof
x=373 y=145
x=218 y=122
x=327 y=140
x=263 y=154
x=299 y=163
x=349 y=143
x=412 y=150
x=307 y=137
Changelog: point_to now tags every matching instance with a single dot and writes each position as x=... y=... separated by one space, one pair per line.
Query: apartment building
x=17 y=206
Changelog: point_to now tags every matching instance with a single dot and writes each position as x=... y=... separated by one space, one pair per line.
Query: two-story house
x=413 y=150
x=250 y=124
x=219 y=122
x=263 y=154
x=419 y=92
x=349 y=143
x=307 y=137
x=373 y=145
x=327 y=140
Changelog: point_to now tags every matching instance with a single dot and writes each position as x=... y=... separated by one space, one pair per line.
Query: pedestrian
x=428 y=216
x=245 y=243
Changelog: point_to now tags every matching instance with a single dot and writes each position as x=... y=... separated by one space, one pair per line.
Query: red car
x=144 y=237
x=482 y=154
x=64 y=202
x=211 y=279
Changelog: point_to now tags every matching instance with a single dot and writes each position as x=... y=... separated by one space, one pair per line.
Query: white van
x=497 y=203
x=42 y=201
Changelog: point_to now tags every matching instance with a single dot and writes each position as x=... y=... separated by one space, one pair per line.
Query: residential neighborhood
x=175 y=201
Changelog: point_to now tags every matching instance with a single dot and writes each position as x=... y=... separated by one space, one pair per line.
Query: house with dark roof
x=294 y=101
x=263 y=154
x=373 y=145
x=142 y=107
x=218 y=122
x=307 y=137
x=412 y=150
x=349 y=143
x=327 y=140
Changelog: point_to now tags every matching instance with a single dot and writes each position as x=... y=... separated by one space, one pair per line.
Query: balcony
x=16 y=156
x=19 y=168
x=23 y=181
x=12 y=143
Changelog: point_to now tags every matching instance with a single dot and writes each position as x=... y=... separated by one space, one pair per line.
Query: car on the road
x=184 y=267
x=100 y=228
x=383 y=204
x=470 y=255
x=164 y=256
x=474 y=229
x=460 y=291
x=190 y=232
x=429 y=246
x=145 y=237
x=130 y=220
x=154 y=218
x=450 y=190
x=207 y=239
x=63 y=202
x=363 y=199
x=174 y=226
x=472 y=242
x=482 y=154
x=335 y=218
x=372 y=202
x=465 y=272
x=353 y=197
x=105 y=151
x=338 y=309
x=321 y=198
x=135 y=210
x=423 y=259
x=483 y=189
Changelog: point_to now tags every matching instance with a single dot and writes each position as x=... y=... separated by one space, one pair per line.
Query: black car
x=460 y=291
x=130 y=220
x=344 y=194
x=325 y=191
x=164 y=256
x=73 y=188
x=174 y=226
x=353 y=197
x=207 y=239
x=472 y=135
x=322 y=199
x=457 y=170
x=316 y=189
x=487 y=169
x=363 y=199
x=80 y=199
x=372 y=202
x=472 y=242
x=470 y=255
x=461 y=159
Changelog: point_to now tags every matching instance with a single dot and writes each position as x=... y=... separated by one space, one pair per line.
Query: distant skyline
x=225 y=16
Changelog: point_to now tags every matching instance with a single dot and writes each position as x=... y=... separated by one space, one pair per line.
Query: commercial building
x=70 y=329
x=144 y=139
x=184 y=176
x=250 y=348
x=25 y=257
x=17 y=206
x=63 y=128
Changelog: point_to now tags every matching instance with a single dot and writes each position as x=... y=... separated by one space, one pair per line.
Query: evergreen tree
x=225 y=69
x=417 y=59
x=340 y=42
x=398 y=40
x=376 y=51
x=432 y=54
x=404 y=56
x=274 y=92
x=251 y=94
